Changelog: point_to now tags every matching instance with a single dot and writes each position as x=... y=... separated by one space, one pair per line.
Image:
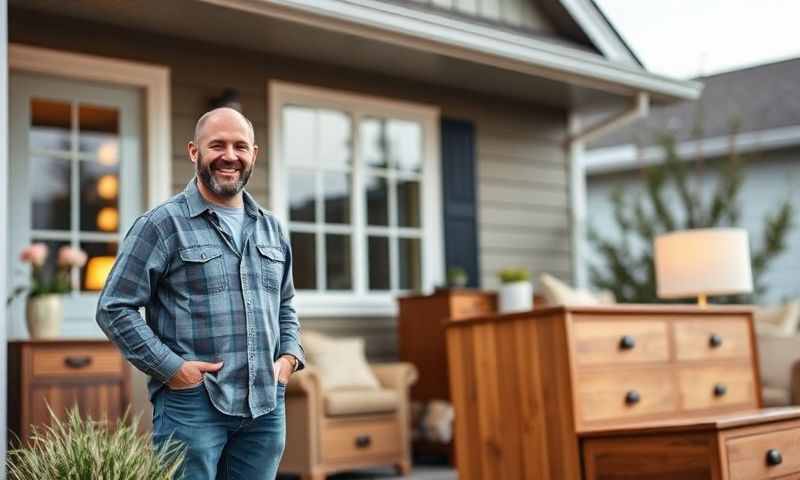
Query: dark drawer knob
x=714 y=341
x=720 y=390
x=77 y=361
x=774 y=457
x=363 y=441
x=627 y=342
x=632 y=397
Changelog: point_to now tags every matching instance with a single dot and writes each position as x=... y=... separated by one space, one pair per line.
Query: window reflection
x=304 y=261
x=98 y=133
x=50 y=126
x=408 y=205
x=334 y=138
x=410 y=255
x=377 y=201
x=50 y=193
x=338 y=262
x=298 y=135
x=337 y=197
x=302 y=197
x=101 y=257
x=378 y=252
x=99 y=185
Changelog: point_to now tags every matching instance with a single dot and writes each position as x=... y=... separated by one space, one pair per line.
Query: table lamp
x=702 y=262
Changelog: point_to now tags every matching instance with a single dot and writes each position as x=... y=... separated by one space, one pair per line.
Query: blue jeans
x=220 y=446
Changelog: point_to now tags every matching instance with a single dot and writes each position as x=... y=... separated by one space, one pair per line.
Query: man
x=221 y=336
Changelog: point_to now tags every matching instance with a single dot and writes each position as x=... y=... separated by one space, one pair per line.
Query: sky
x=689 y=38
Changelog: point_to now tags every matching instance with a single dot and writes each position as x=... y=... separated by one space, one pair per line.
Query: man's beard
x=210 y=181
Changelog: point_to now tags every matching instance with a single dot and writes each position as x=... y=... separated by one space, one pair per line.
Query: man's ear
x=192 y=149
x=255 y=152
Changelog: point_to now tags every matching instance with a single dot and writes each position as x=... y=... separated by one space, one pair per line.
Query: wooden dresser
x=527 y=386
x=61 y=373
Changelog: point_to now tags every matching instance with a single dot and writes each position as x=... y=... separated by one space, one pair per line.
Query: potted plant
x=516 y=291
x=44 y=310
x=457 y=277
x=74 y=448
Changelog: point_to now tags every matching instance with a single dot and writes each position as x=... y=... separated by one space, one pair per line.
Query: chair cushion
x=779 y=320
x=359 y=402
x=557 y=292
x=341 y=362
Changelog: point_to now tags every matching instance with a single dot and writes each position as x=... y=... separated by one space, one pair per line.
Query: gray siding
x=517 y=13
x=523 y=205
x=768 y=182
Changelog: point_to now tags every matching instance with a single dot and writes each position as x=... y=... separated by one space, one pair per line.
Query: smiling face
x=223 y=152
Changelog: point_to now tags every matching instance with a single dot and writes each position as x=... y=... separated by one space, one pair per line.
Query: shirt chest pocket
x=273 y=262
x=203 y=270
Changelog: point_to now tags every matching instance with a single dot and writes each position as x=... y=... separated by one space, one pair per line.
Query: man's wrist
x=293 y=361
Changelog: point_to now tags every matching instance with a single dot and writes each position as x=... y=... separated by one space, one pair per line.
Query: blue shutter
x=460 y=197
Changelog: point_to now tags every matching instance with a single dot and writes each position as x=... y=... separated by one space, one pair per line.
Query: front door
x=74 y=180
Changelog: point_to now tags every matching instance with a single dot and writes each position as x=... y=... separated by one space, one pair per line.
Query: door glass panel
x=378 y=252
x=101 y=257
x=338 y=262
x=337 y=197
x=99 y=207
x=302 y=197
x=98 y=133
x=298 y=136
x=377 y=201
x=334 y=138
x=408 y=206
x=50 y=126
x=304 y=261
x=50 y=193
x=373 y=142
x=404 y=145
x=410 y=256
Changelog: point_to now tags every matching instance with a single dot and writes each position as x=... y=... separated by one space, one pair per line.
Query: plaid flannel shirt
x=204 y=300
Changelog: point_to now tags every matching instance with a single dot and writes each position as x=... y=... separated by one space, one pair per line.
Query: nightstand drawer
x=703 y=339
x=68 y=361
x=600 y=342
x=354 y=439
x=718 y=387
x=768 y=455
x=622 y=395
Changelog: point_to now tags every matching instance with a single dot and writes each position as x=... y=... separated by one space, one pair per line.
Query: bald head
x=222 y=113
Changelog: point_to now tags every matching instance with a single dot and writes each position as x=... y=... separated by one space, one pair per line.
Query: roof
x=760 y=98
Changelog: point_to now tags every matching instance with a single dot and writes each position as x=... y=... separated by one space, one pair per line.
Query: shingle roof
x=760 y=98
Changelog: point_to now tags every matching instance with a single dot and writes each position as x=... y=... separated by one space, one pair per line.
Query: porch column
x=3 y=227
x=577 y=200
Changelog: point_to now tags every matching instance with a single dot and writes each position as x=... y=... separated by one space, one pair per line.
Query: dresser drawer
x=69 y=361
x=354 y=439
x=717 y=387
x=773 y=454
x=463 y=306
x=601 y=342
x=712 y=339
x=627 y=394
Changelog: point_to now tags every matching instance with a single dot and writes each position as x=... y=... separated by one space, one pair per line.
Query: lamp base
x=702 y=300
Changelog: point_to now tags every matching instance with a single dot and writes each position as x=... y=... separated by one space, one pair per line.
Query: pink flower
x=71 y=257
x=34 y=254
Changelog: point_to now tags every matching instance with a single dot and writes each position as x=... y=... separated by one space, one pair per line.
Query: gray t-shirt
x=234 y=220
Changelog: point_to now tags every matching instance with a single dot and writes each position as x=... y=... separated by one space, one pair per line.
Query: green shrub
x=86 y=449
x=512 y=275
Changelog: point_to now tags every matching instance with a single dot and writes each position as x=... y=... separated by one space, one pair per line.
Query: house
x=399 y=138
x=762 y=103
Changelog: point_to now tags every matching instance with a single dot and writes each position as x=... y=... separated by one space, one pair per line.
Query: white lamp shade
x=714 y=261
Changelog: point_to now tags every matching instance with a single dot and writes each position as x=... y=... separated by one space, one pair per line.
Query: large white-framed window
x=355 y=181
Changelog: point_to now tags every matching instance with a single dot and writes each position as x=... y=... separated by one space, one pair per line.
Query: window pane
x=99 y=196
x=304 y=260
x=50 y=267
x=50 y=193
x=337 y=197
x=378 y=251
x=334 y=138
x=408 y=203
x=50 y=125
x=410 y=256
x=373 y=142
x=405 y=145
x=298 y=135
x=302 y=197
x=101 y=256
x=377 y=190
x=338 y=262
x=99 y=133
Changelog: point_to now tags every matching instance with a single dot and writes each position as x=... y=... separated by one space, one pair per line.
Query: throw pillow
x=779 y=320
x=341 y=362
x=557 y=292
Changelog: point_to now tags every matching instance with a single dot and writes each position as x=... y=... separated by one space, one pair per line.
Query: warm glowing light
x=108 y=187
x=107 y=153
x=97 y=271
x=108 y=219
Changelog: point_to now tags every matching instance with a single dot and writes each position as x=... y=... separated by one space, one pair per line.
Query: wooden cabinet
x=527 y=386
x=90 y=374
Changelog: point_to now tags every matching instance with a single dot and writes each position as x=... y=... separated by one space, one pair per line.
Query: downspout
x=578 y=137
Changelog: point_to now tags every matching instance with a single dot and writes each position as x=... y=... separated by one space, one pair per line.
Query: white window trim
x=152 y=79
x=154 y=83
x=362 y=303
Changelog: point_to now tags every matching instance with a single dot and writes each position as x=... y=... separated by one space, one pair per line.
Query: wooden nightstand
x=61 y=373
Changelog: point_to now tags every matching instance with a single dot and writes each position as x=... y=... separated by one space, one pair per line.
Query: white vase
x=515 y=297
x=44 y=314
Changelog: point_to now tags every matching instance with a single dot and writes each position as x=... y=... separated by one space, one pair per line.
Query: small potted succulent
x=44 y=309
x=516 y=291
x=457 y=277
